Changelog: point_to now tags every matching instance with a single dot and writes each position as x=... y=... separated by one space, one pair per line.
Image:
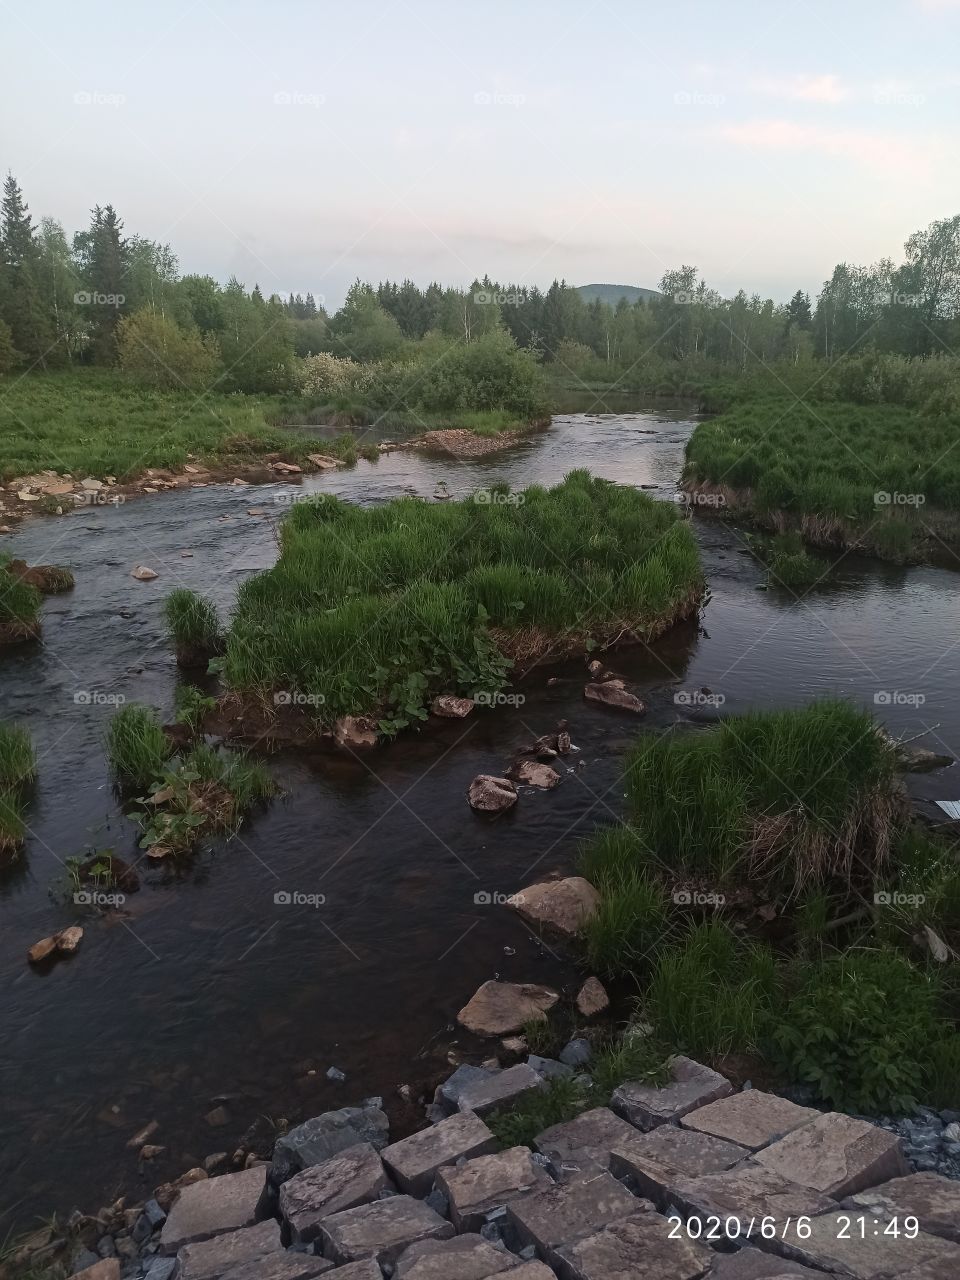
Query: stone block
x=565 y=1213
x=658 y=1160
x=447 y=1095
x=211 y=1259
x=462 y=1258
x=752 y=1264
x=747 y=1192
x=354 y=1176
x=211 y=1207
x=929 y=1197
x=286 y=1264
x=639 y=1247
x=752 y=1118
x=692 y=1085
x=836 y=1154
x=482 y=1186
x=326 y=1135
x=381 y=1230
x=838 y=1244
x=500 y=1089
x=414 y=1161
x=586 y=1141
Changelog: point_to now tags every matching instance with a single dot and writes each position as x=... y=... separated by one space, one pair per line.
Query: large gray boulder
x=501 y=1090
x=324 y=1136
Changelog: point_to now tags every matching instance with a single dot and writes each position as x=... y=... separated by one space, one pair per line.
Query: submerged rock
x=354 y=732
x=489 y=794
x=532 y=774
x=613 y=695
x=563 y=905
x=450 y=707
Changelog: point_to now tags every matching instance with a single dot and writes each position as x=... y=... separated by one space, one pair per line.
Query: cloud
x=885 y=151
x=804 y=88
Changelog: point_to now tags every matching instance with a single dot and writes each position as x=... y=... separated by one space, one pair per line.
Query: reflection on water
x=205 y=986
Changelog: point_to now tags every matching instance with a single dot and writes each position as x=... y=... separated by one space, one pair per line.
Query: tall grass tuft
x=194 y=626
x=137 y=747
x=18 y=768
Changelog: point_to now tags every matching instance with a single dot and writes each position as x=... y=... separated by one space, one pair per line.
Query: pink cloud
x=876 y=150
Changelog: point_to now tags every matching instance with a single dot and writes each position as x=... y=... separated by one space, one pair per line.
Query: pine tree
x=24 y=311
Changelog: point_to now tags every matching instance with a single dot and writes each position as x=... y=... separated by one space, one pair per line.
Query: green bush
x=137 y=747
x=194 y=626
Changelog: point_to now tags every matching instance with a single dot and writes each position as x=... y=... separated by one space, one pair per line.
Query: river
x=204 y=991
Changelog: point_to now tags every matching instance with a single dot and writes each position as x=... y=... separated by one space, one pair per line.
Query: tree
x=799 y=315
x=9 y=355
x=104 y=256
x=159 y=353
x=24 y=312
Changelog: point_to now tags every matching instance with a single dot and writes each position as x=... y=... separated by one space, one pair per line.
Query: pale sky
x=304 y=144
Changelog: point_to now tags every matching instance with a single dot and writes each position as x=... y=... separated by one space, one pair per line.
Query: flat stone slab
x=569 y=1211
x=563 y=905
x=534 y=1270
x=500 y=1008
x=837 y=1243
x=929 y=1197
x=586 y=1141
x=381 y=1230
x=752 y=1118
x=447 y=1095
x=366 y=1269
x=486 y=1096
x=639 y=1247
x=210 y=1207
x=414 y=1161
x=284 y=1265
x=462 y=1258
x=751 y=1264
x=749 y=1193
x=326 y=1135
x=210 y=1259
x=354 y=1176
x=692 y=1085
x=837 y=1155
x=658 y=1160
x=486 y=1184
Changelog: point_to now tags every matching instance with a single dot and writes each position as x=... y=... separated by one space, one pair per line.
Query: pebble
x=335 y=1074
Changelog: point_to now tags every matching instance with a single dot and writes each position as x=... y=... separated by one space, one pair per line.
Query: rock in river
x=611 y=695
x=488 y=794
x=562 y=904
x=498 y=1008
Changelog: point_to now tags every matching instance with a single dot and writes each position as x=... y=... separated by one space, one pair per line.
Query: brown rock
x=566 y=1212
x=530 y=773
x=210 y=1206
x=483 y=1185
x=586 y=1141
x=592 y=998
x=106 y=1269
x=489 y=794
x=210 y=1259
x=499 y=1008
x=69 y=939
x=836 y=1154
x=611 y=695
x=692 y=1085
x=143 y=1134
x=355 y=732
x=658 y=1160
x=637 y=1247
x=752 y=1118
x=834 y=1243
x=929 y=1197
x=451 y=707
x=414 y=1160
x=562 y=904
x=42 y=949
x=143 y=574
x=352 y=1177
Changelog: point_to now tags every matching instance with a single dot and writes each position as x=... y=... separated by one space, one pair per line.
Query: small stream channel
x=204 y=990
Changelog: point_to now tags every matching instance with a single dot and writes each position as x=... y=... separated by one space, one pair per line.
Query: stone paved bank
x=676 y=1183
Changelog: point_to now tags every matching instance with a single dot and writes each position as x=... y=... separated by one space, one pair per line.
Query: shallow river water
x=206 y=990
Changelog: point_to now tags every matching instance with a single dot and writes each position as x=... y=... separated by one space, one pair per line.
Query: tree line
x=107 y=298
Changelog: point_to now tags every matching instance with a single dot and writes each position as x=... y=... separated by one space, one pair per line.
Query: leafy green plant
x=192 y=706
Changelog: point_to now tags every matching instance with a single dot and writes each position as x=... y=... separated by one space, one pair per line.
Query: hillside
x=612 y=293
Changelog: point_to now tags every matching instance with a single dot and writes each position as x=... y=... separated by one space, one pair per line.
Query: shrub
x=137 y=747
x=158 y=353
x=194 y=626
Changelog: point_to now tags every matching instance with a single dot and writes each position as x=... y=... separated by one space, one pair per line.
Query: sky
x=302 y=145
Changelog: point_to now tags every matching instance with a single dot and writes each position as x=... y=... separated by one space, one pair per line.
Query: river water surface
x=205 y=990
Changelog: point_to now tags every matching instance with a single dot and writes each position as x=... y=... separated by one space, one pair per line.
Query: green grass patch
x=790 y=566
x=18 y=769
x=194 y=627
x=137 y=747
x=371 y=610
x=19 y=606
x=844 y=473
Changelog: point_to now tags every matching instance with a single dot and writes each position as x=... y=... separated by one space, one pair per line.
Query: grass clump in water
x=18 y=769
x=19 y=607
x=137 y=747
x=792 y=567
x=372 y=610
x=194 y=626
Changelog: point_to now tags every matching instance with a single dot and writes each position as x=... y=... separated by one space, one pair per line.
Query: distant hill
x=612 y=293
